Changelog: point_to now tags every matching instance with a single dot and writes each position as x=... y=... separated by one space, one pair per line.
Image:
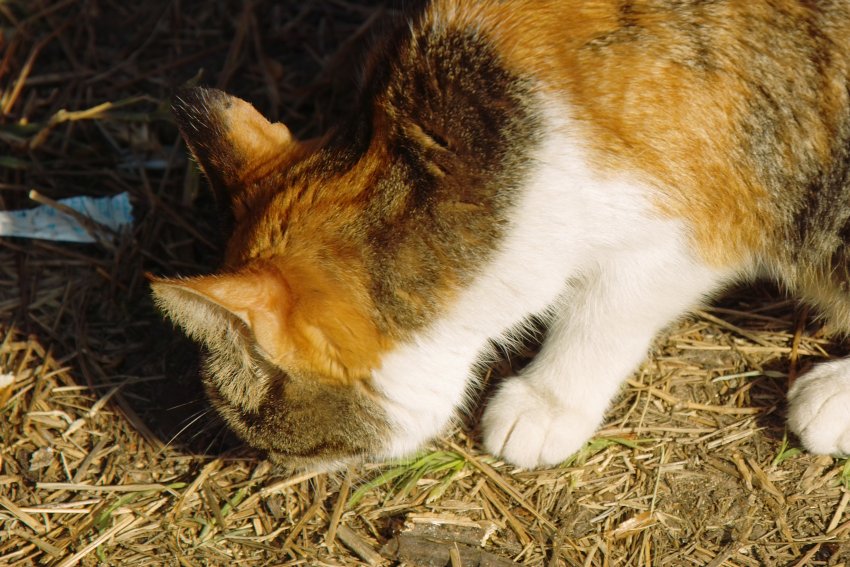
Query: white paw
x=529 y=428
x=819 y=408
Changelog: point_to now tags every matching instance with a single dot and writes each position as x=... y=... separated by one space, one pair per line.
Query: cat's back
x=736 y=112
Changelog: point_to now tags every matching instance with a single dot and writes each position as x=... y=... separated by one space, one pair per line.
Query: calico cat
x=603 y=164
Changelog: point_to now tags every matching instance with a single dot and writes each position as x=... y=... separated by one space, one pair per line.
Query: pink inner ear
x=236 y=293
x=259 y=297
x=250 y=133
x=319 y=326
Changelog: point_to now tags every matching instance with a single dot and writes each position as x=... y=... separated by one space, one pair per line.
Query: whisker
x=217 y=438
x=184 y=404
x=194 y=420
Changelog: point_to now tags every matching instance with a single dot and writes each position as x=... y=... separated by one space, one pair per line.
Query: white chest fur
x=571 y=228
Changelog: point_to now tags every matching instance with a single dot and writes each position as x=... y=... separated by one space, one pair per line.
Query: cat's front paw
x=529 y=428
x=819 y=408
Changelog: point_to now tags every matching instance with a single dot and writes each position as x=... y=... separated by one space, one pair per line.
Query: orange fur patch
x=305 y=320
x=651 y=106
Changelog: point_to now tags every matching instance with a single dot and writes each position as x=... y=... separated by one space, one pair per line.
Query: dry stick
x=840 y=530
x=44 y=13
x=138 y=424
x=9 y=46
x=156 y=487
x=27 y=68
x=27 y=355
x=723 y=555
x=673 y=400
x=57 y=510
x=454 y=555
x=282 y=485
x=359 y=547
x=6 y=392
x=301 y=523
x=210 y=468
x=795 y=345
x=745 y=349
x=804 y=560
x=730 y=327
x=277 y=487
x=753 y=315
x=212 y=504
x=62 y=116
x=74 y=559
x=341 y=499
x=17 y=553
x=46 y=79
x=764 y=481
x=83 y=466
x=785 y=530
x=25 y=518
x=185 y=561
x=839 y=512
x=41 y=544
x=524 y=538
x=812 y=551
x=502 y=483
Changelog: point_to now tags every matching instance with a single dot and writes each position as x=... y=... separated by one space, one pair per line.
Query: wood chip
x=359 y=546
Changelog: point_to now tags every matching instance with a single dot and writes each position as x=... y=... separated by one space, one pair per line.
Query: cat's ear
x=203 y=306
x=299 y=318
x=227 y=136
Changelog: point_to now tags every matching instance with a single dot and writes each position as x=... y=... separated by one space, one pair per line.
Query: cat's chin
x=303 y=423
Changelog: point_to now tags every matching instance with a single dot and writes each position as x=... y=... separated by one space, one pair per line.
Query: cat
x=605 y=165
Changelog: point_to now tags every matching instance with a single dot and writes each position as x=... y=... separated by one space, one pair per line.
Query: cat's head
x=288 y=325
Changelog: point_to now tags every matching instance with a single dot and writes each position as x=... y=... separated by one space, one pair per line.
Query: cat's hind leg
x=819 y=408
x=598 y=336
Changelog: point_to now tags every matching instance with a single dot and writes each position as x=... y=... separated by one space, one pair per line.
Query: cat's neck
x=450 y=135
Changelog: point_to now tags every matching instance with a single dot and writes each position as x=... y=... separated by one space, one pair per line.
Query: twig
x=358 y=546
x=114 y=530
x=341 y=499
x=31 y=522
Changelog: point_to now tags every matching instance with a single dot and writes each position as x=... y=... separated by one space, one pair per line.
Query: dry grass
x=107 y=454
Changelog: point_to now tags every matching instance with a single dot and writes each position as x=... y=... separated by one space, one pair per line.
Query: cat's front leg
x=819 y=408
x=598 y=337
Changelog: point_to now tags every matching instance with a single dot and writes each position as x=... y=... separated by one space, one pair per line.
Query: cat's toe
x=819 y=409
x=530 y=429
